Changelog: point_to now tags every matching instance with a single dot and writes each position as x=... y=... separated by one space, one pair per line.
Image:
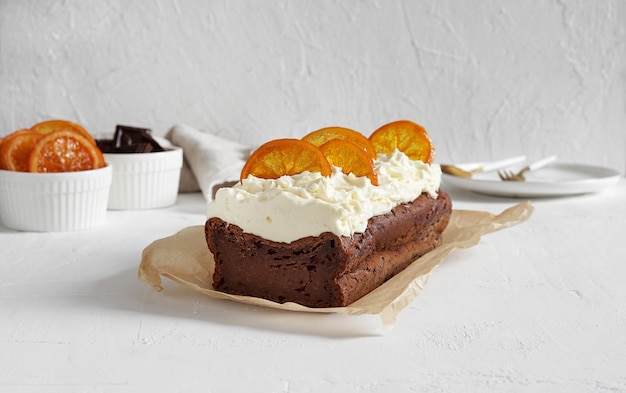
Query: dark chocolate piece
x=130 y=140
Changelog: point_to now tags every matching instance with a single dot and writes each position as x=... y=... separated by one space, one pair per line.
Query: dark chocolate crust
x=326 y=270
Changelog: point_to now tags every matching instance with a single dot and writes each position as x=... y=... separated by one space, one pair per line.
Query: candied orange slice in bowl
x=65 y=151
x=406 y=136
x=48 y=126
x=285 y=157
x=321 y=136
x=350 y=158
x=16 y=148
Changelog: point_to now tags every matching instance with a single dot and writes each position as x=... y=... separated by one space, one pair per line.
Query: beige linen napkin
x=210 y=161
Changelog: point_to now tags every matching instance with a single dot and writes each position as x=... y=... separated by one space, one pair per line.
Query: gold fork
x=519 y=176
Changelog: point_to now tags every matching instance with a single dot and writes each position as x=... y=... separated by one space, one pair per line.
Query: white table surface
x=540 y=307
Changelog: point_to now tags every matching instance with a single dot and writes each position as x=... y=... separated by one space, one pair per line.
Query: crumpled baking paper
x=186 y=259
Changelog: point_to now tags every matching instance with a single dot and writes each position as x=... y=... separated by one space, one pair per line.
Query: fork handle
x=541 y=163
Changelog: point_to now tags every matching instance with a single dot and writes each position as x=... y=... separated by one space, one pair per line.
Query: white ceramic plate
x=558 y=179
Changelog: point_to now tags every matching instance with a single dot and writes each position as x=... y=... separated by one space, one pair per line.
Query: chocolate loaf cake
x=326 y=270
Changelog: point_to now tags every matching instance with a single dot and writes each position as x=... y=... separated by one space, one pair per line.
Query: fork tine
x=511 y=176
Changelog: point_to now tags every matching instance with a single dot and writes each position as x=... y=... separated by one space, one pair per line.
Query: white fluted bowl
x=144 y=180
x=54 y=202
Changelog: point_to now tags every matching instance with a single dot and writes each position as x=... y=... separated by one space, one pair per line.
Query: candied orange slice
x=282 y=157
x=406 y=136
x=48 y=126
x=65 y=151
x=16 y=148
x=319 y=137
x=350 y=158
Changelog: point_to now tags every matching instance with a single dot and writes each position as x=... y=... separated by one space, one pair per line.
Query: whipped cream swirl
x=309 y=204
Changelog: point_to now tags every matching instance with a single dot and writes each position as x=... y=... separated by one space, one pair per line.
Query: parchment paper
x=186 y=259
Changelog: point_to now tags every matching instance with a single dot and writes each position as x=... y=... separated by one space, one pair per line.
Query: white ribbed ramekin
x=54 y=202
x=144 y=180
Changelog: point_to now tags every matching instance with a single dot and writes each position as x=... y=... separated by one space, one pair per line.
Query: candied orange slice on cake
x=48 y=126
x=282 y=157
x=64 y=151
x=321 y=136
x=350 y=158
x=406 y=136
x=16 y=148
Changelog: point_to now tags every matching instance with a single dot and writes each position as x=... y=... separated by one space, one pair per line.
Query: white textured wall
x=487 y=78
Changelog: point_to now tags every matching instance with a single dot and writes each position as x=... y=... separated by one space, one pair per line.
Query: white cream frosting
x=308 y=204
